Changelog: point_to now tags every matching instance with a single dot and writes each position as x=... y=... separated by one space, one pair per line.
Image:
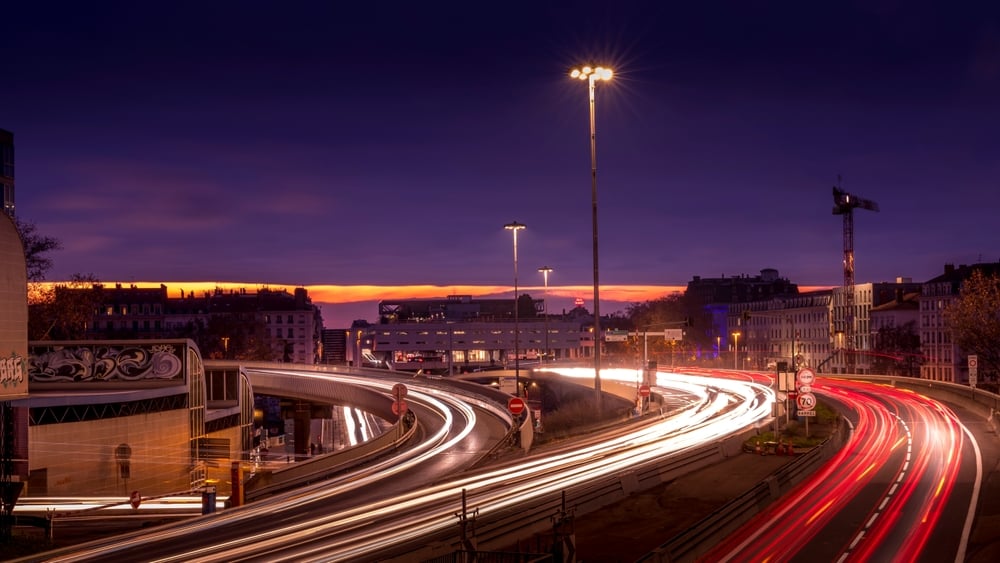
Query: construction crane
x=845 y=204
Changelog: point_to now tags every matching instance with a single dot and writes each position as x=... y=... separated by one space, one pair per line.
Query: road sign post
x=973 y=370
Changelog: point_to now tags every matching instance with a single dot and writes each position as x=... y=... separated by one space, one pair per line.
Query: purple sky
x=309 y=143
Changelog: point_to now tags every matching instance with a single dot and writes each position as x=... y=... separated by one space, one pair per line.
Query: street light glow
x=591 y=76
x=514 y=226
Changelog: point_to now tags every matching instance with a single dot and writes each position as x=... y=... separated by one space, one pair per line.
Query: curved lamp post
x=515 y=227
x=591 y=75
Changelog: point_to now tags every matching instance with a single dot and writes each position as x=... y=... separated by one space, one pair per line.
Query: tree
x=974 y=321
x=64 y=311
x=673 y=312
x=36 y=248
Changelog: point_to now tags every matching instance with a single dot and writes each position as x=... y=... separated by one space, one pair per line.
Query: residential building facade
x=943 y=360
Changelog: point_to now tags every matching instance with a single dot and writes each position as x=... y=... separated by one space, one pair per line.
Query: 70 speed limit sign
x=806 y=401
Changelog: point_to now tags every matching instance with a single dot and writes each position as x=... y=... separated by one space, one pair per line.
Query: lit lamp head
x=592 y=74
x=514 y=226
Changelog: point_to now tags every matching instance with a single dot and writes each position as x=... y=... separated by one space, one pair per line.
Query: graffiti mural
x=81 y=363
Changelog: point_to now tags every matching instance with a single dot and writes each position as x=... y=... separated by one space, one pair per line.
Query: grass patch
x=575 y=416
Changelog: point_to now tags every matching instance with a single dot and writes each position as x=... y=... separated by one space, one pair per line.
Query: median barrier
x=300 y=473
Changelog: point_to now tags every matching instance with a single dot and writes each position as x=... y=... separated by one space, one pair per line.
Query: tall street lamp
x=736 y=349
x=591 y=75
x=545 y=270
x=515 y=227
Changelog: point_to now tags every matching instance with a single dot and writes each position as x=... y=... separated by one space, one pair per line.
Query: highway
x=366 y=518
x=904 y=488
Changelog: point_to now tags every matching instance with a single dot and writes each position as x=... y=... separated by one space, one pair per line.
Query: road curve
x=903 y=488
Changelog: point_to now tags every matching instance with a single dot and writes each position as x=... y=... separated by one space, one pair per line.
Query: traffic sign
x=806 y=413
x=805 y=376
x=805 y=401
x=399 y=391
x=399 y=407
x=135 y=499
x=644 y=390
x=516 y=405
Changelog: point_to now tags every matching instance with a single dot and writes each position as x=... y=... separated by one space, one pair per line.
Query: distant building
x=272 y=324
x=943 y=359
x=784 y=328
x=713 y=297
x=460 y=333
x=7 y=170
x=891 y=322
x=803 y=327
x=856 y=356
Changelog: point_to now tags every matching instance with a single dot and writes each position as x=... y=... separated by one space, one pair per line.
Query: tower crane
x=845 y=204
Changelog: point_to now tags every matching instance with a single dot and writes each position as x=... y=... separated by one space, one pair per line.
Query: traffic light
x=746 y=316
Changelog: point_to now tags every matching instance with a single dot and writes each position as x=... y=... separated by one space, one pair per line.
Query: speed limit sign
x=806 y=401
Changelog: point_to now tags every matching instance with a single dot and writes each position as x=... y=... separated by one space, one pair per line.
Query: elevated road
x=368 y=519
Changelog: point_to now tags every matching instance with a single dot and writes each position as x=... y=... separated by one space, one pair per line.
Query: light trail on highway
x=908 y=462
x=319 y=525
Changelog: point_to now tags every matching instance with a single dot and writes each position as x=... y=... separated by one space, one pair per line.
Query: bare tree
x=36 y=249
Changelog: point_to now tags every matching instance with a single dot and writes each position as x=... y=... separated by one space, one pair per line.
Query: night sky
x=386 y=144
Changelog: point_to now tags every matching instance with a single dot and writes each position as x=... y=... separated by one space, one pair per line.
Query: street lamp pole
x=736 y=348
x=545 y=270
x=592 y=75
x=515 y=227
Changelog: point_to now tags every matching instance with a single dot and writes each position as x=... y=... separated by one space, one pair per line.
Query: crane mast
x=845 y=204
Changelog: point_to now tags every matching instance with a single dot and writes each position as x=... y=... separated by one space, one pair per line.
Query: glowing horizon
x=345 y=294
x=342 y=294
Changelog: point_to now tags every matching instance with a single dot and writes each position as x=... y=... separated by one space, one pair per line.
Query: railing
x=301 y=473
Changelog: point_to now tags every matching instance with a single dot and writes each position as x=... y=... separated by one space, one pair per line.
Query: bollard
x=208 y=500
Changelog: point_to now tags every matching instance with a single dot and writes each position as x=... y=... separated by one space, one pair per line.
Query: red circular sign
x=644 y=390
x=805 y=377
x=399 y=407
x=515 y=405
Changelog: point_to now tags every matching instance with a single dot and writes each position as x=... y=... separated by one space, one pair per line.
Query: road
x=904 y=488
x=358 y=521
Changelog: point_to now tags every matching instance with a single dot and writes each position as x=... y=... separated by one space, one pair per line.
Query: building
x=856 y=356
x=460 y=333
x=269 y=324
x=113 y=416
x=784 y=328
x=7 y=171
x=894 y=335
x=943 y=360
x=713 y=298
